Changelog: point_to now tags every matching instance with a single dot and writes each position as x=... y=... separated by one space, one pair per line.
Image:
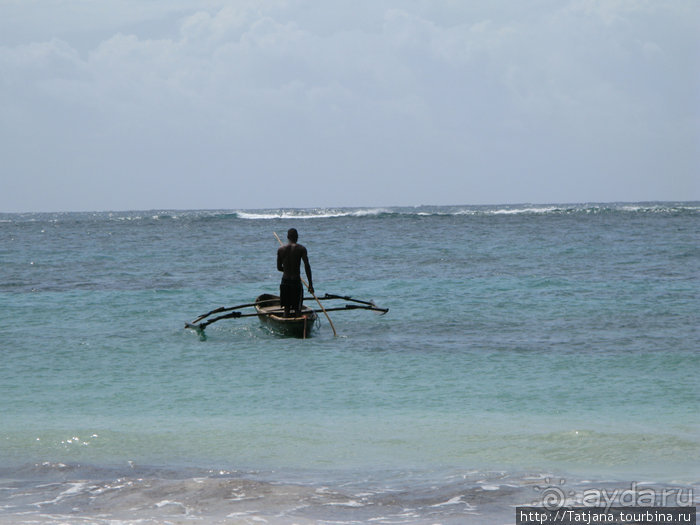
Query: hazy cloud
x=206 y=105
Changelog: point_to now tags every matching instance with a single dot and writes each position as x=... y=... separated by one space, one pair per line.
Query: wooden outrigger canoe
x=271 y=314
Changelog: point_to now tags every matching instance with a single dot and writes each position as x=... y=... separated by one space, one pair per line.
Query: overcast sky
x=183 y=104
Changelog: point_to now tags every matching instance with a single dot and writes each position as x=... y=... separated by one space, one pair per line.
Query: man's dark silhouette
x=289 y=259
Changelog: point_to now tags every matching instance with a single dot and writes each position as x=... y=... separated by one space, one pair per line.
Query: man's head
x=292 y=235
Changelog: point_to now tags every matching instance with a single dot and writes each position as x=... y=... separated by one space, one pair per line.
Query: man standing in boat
x=289 y=259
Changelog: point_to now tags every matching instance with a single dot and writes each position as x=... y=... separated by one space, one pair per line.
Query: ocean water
x=528 y=349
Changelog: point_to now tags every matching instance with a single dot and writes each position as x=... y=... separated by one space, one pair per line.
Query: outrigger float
x=269 y=311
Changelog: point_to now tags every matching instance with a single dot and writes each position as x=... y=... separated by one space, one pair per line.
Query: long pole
x=335 y=334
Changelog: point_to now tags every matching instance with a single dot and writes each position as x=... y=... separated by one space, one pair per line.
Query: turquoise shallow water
x=522 y=342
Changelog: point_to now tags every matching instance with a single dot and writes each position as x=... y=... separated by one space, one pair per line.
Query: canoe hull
x=272 y=316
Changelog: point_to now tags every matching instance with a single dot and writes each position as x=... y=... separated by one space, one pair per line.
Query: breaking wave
x=642 y=208
x=495 y=210
x=313 y=213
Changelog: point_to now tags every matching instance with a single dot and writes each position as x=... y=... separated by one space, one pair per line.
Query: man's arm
x=307 y=268
x=280 y=259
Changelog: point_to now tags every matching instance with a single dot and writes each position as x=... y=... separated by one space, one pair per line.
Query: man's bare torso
x=289 y=259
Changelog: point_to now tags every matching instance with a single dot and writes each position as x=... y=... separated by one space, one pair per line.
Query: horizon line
x=354 y=207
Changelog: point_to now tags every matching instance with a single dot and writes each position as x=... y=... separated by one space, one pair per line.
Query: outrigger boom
x=269 y=311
